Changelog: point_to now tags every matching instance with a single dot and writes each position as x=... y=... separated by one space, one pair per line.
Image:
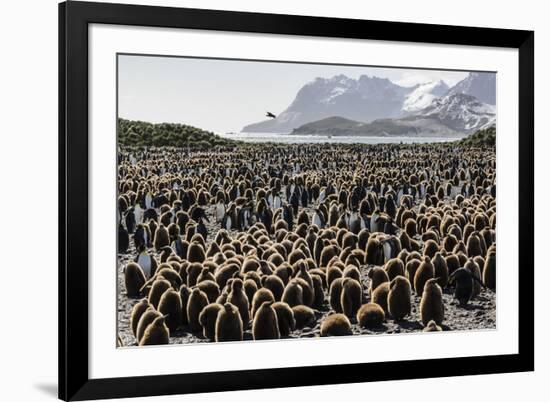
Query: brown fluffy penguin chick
x=480 y=261
x=304 y=274
x=250 y=264
x=304 y=316
x=430 y=248
x=327 y=254
x=195 y=253
x=275 y=284
x=411 y=227
x=424 y=272
x=137 y=312
x=318 y=290
x=284 y=272
x=399 y=298
x=265 y=325
x=335 y=294
x=307 y=291
x=170 y=307
x=441 y=272
x=374 y=254
x=410 y=269
x=462 y=258
x=476 y=272
x=380 y=295
x=293 y=294
x=146 y=318
x=431 y=304
x=226 y=272
x=336 y=325
x=238 y=298
x=489 y=271
x=161 y=237
x=453 y=263
x=134 y=279
x=207 y=318
x=261 y=296
x=352 y=272
x=206 y=275
x=184 y=292
x=210 y=288
x=432 y=327
x=333 y=272
x=405 y=241
x=157 y=290
x=255 y=277
x=377 y=276
x=370 y=315
x=170 y=275
x=229 y=325
x=285 y=318
x=250 y=288
x=157 y=333
x=193 y=272
x=351 y=297
x=197 y=301
x=394 y=267
x=296 y=256
x=473 y=245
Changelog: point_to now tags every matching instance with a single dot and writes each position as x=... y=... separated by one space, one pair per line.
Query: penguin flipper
x=475 y=278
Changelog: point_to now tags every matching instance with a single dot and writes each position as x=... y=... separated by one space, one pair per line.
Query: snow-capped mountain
x=423 y=95
x=453 y=115
x=367 y=99
x=460 y=112
x=364 y=99
x=480 y=85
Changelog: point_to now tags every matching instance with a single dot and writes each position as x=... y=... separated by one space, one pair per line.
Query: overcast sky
x=225 y=95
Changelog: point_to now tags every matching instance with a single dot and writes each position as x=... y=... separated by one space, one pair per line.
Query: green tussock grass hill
x=486 y=137
x=144 y=134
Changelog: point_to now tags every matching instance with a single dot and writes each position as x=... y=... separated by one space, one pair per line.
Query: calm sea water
x=303 y=139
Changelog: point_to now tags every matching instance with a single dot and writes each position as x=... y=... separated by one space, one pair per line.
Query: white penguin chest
x=373 y=225
x=317 y=220
x=144 y=261
x=387 y=251
x=220 y=211
x=138 y=213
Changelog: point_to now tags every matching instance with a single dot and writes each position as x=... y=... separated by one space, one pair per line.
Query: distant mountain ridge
x=454 y=115
x=461 y=112
x=367 y=99
x=480 y=85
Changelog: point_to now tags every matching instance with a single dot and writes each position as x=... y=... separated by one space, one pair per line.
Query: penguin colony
x=268 y=242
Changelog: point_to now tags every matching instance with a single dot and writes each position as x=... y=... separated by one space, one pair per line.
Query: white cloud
x=413 y=77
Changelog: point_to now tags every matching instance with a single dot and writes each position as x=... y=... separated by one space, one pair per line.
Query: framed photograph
x=258 y=200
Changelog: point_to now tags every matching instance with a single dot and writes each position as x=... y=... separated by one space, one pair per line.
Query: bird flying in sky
x=269 y=114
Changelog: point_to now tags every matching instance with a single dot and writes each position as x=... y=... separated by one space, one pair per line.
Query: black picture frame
x=74 y=18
